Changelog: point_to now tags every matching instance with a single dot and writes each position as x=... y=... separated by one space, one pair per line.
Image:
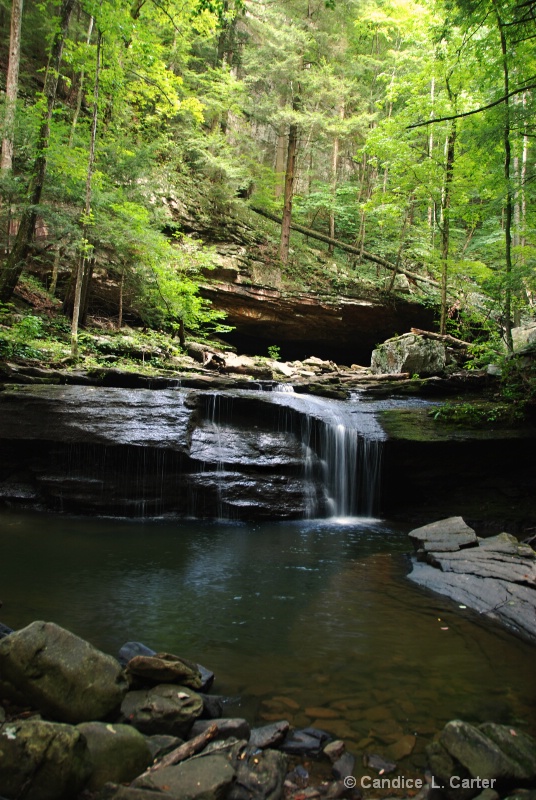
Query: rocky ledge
x=77 y=723
x=496 y=576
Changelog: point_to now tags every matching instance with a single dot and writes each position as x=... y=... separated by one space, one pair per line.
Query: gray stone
x=118 y=753
x=260 y=776
x=497 y=578
x=410 y=353
x=308 y=741
x=59 y=674
x=344 y=766
x=444 y=535
x=524 y=335
x=42 y=760
x=227 y=727
x=334 y=750
x=269 y=735
x=164 y=709
x=205 y=778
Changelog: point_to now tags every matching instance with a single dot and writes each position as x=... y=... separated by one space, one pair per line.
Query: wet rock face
x=141 y=452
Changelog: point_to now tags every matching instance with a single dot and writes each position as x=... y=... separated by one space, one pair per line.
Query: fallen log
x=184 y=751
x=441 y=337
x=347 y=247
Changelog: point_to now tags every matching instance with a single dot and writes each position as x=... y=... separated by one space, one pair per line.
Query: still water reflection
x=312 y=620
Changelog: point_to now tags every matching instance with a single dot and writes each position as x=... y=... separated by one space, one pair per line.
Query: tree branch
x=475 y=111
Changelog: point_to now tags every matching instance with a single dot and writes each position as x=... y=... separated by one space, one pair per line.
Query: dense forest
x=397 y=128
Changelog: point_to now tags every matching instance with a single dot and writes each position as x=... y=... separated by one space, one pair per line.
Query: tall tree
x=12 y=87
x=16 y=260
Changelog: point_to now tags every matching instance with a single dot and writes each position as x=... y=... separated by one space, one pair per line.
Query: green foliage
x=274 y=351
x=479 y=414
x=18 y=340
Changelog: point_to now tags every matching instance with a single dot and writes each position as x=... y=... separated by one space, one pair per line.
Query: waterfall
x=348 y=443
x=340 y=444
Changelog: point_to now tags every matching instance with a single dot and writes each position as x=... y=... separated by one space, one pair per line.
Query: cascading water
x=348 y=442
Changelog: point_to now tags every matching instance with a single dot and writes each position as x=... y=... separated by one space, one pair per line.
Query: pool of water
x=314 y=621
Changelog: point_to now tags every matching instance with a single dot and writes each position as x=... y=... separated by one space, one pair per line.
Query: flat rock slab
x=445 y=535
x=497 y=578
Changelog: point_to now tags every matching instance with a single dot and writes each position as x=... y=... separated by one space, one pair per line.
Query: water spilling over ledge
x=240 y=455
x=250 y=455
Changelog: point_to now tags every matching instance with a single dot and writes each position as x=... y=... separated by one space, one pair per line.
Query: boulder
x=497 y=578
x=164 y=668
x=501 y=757
x=165 y=709
x=444 y=535
x=523 y=336
x=260 y=776
x=118 y=753
x=42 y=760
x=131 y=650
x=59 y=674
x=410 y=353
x=205 y=778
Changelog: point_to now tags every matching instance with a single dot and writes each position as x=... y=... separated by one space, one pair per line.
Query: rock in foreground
x=59 y=674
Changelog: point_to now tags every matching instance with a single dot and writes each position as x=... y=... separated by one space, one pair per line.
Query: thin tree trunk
x=121 y=288
x=508 y=210
x=21 y=247
x=334 y=170
x=55 y=270
x=445 y=228
x=87 y=208
x=280 y=165
x=12 y=87
x=431 y=148
x=80 y=95
x=290 y=174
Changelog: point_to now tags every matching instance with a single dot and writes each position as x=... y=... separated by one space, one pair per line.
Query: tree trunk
x=80 y=93
x=82 y=278
x=289 y=191
x=17 y=258
x=508 y=210
x=346 y=247
x=121 y=289
x=12 y=87
x=445 y=228
x=334 y=170
x=55 y=270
